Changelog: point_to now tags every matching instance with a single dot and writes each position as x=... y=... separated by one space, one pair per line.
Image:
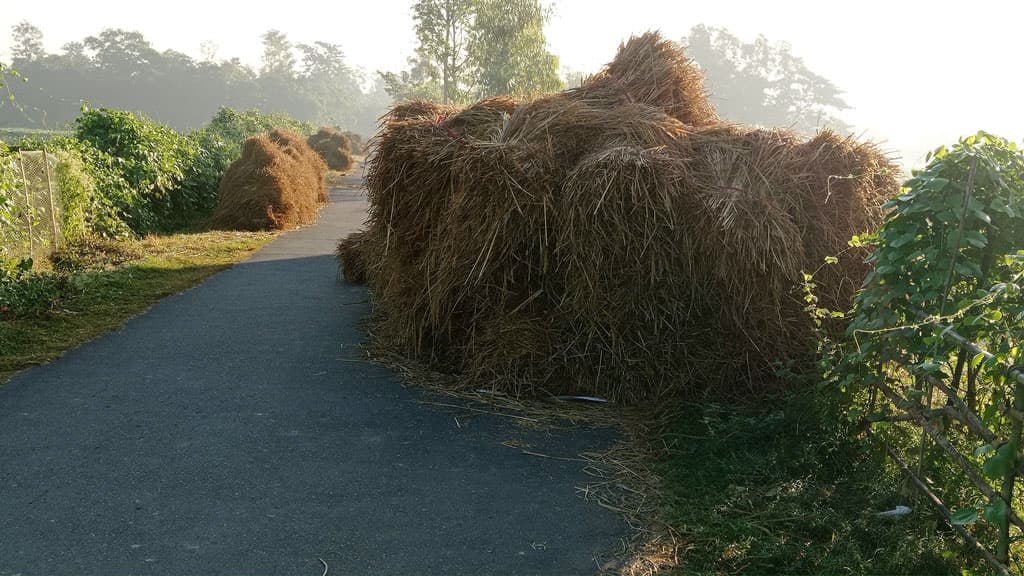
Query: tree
x=764 y=83
x=208 y=49
x=278 y=59
x=330 y=83
x=277 y=77
x=122 y=53
x=443 y=29
x=419 y=81
x=28 y=42
x=74 y=55
x=509 y=51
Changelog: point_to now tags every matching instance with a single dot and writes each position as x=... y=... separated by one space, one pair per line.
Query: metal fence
x=34 y=229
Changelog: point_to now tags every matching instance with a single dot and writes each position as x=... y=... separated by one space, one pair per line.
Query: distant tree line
x=120 y=69
x=466 y=50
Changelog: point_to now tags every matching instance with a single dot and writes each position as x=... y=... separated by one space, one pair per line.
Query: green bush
x=151 y=158
x=122 y=174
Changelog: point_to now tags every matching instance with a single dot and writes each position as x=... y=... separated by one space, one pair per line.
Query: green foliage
x=969 y=277
x=78 y=193
x=95 y=177
x=443 y=29
x=151 y=158
x=509 y=49
x=418 y=82
x=950 y=253
x=231 y=127
x=784 y=486
x=471 y=49
x=8 y=187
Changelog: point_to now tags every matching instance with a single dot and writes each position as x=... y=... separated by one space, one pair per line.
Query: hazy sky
x=917 y=73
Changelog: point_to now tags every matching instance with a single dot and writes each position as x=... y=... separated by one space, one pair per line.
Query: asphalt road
x=232 y=430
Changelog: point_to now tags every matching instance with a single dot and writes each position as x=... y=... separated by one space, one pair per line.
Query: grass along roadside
x=779 y=486
x=100 y=286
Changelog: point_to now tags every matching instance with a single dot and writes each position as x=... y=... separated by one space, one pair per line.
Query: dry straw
x=616 y=240
x=334 y=147
x=277 y=183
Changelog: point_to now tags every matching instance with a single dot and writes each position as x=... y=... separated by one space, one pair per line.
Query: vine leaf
x=964 y=517
x=997 y=511
x=1000 y=465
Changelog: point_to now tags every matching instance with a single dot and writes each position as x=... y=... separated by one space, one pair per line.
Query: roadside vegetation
x=785 y=485
x=92 y=287
x=795 y=483
x=134 y=198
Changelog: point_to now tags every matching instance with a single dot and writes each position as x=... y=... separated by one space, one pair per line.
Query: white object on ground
x=896 y=512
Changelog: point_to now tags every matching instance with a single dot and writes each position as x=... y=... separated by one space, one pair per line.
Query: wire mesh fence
x=33 y=230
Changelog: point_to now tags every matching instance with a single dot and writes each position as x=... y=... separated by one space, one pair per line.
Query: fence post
x=28 y=206
x=49 y=195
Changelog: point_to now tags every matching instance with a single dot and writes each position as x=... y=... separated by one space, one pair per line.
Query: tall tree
x=443 y=29
x=509 y=51
x=124 y=53
x=74 y=55
x=330 y=83
x=277 y=77
x=28 y=42
x=278 y=59
x=120 y=69
x=763 y=82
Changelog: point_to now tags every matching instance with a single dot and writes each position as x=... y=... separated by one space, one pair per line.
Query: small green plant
x=27 y=294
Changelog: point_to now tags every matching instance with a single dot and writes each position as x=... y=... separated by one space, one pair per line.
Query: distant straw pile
x=358 y=143
x=277 y=183
x=334 y=147
x=617 y=239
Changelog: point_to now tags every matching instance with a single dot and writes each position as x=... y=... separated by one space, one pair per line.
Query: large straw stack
x=617 y=239
x=277 y=183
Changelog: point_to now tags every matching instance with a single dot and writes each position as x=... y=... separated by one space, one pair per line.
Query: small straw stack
x=276 y=184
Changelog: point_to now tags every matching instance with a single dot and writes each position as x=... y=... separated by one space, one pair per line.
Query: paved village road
x=229 y=431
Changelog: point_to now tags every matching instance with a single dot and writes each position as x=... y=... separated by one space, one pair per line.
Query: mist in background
x=912 y=75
